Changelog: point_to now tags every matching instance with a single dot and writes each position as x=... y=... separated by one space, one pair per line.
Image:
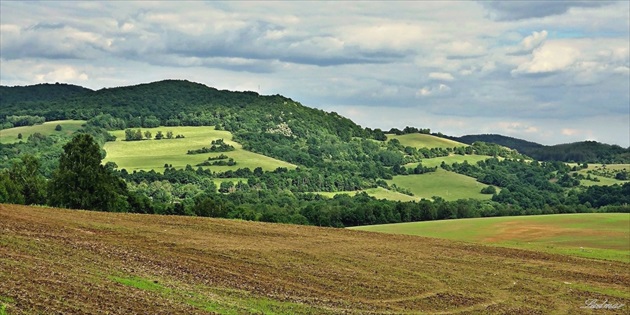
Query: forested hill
x=40 y=93
x=585 y=151
x=171 y=102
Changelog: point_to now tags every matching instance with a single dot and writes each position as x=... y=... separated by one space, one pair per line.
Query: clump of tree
x=489 y=190
x=219 y=162
x=409 y=130
x=23 y=120
x=216 y=146
x=133 y=135
x=81 y=182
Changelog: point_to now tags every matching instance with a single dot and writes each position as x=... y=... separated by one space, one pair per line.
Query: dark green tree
x=81 y=182
x=58 y=128
x=26 y=175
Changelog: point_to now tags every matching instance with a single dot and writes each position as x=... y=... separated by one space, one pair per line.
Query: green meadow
x=592 y=235
x=448 y=185
x=418 y=140
x=67 y=127
x=153 y=154
x=378 y=193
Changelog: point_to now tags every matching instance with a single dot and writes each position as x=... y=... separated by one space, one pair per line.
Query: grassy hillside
x=418 y=140
x=68 y=261
x=47 y=128
x=589 y=235
x=448 y=185
x=596 y=171
x=153 y=154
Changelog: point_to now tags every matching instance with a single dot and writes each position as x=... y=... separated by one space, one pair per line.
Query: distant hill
x=514 y=143
x=582 y=152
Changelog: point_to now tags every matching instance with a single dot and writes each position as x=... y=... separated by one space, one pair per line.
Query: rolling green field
x=378 y=193
x=418 y=140
x=472 y=159
x=47 y=128
x=592 y=235
x=448 y=185
x=153 y=154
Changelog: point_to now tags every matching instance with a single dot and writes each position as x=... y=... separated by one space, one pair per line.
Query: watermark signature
x=599 y=304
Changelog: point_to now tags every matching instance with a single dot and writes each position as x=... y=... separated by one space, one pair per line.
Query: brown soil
x=63 y=261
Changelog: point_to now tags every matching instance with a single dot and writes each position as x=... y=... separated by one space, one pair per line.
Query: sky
x=549 y=72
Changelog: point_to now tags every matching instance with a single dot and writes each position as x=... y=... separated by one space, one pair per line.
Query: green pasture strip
x=418 y=140
x=67 y=127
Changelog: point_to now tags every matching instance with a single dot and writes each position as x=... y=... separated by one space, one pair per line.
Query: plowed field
x=77 y=262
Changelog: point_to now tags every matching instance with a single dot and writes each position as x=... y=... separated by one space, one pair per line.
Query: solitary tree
x=81 y=182
x=20 y=136
x=58 y=128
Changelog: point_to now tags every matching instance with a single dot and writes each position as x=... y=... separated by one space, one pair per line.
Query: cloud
x=518 y=10
x=440 y=89
x=529 y=43
x=551 y=57
x=530 y=62
x=513 y=127
x=443 y=76
x=585 y=61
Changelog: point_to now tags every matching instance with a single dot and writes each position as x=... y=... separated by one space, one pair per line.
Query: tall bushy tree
x=81 y=182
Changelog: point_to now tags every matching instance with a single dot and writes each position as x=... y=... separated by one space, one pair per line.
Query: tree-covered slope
x=12 y=97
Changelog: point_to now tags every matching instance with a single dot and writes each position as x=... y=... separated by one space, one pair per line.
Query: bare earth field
x=75 y=262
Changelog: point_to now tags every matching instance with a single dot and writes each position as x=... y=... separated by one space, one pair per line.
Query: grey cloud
x=518 y=10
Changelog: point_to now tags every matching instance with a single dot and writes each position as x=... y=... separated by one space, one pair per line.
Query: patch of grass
x=140 y=283
x=236 y=302
x=218 y=300
x=591 y=235
x=153 y=154
x=67 y=127
x=604 y=291
x=418 y=140
x=448 y=185
x=4 y=304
